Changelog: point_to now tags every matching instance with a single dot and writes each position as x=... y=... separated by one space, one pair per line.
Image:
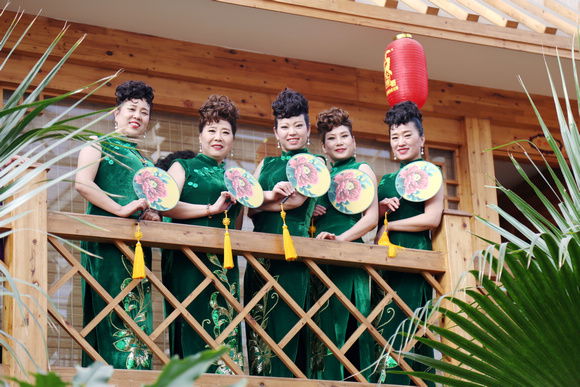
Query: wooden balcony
x=26 y=258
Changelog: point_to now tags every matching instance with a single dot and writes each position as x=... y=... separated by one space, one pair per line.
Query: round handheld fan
x=244 y=187
x=308 y=174
x=157 y=187
x=418 y=181
x=351 y=191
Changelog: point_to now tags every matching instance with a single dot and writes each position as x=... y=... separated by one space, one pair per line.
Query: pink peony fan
x=351 y=191
x=418 y=181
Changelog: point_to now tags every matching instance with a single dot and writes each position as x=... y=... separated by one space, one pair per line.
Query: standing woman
x=338 y=143
x=292 y=130
x=105 y=180
x=203 y=200
x=409 y=223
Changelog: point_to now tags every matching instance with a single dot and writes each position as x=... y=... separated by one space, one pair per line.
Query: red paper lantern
x=405 y=71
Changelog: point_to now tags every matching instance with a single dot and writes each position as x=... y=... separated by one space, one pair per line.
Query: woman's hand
x=129 y=209
x=326 y=235
x=222 y=203
x=152 y=215
x=283 y=189
x=388 y=205
x=319 y=210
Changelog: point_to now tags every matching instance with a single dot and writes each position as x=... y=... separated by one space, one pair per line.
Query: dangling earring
x=394 y=157
x=354 y=154
x=200 y=148
x=308 y=141
x=116 y=125
x=278 y=144
x=422 y=151
x=232 y=153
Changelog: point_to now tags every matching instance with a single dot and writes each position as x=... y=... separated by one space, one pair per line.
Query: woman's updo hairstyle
x=290 y=103
x=134 y=90
x=330 y=119
x=216 y=108
x=403 y=113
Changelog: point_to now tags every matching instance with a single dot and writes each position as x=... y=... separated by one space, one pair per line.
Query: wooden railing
x=27 y=259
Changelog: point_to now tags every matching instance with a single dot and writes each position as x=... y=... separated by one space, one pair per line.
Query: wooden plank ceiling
x=536 y=26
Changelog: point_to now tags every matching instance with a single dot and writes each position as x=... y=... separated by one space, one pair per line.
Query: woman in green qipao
x=292 y=130
x=105 y=180
x=204 y=198
x=409 y=225
x=338 y=143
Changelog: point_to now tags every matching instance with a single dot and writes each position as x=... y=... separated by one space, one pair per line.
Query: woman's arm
x=273 y=198
x=426 y=221
x=185 y=210
x=88 y=163
x=366 y=223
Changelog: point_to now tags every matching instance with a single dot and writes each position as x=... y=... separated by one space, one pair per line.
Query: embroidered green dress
x=353 y=283
x=112 y=338
x=412 y=288
x=204 y=182
x=273 y=314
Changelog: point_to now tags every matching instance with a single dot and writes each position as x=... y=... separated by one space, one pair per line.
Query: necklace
x=141 y=158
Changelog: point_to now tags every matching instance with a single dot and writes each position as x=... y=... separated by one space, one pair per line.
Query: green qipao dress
x=353 y=283
x=272 y=313
x=412 y=288
x=204 y=182
x=112 y=338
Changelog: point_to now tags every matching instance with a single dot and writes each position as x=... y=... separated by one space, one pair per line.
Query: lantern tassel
x=139 y=262
x=384 y=241
x=289 y=250
x=228 y=256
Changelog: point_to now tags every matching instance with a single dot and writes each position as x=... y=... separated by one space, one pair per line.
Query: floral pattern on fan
x=419 y=181
x=308 y=174
x=157 y=187
x=244 y=187
x=351 y=191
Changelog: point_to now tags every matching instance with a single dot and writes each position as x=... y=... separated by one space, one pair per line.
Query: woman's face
x=292 y=133
x=217 y=139
x=339 y=144
x=132 y=117
x=406 y=142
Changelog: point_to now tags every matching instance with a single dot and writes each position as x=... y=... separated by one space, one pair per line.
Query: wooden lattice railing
x=249 y=246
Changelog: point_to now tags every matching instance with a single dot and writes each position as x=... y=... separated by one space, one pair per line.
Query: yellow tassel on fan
x=228 y=257
x=139 y=263
x=289 y=249
x=384 y=241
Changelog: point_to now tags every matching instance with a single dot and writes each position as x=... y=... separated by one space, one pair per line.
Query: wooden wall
x=471 y=119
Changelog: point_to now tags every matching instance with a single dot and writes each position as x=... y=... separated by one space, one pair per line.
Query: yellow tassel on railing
x=384 y=241
x=228 y=257
x=312 y=228
x=139 y=263
x=289 y=249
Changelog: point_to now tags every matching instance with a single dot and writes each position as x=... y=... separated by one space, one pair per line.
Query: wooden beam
x=541 y=13
x=488 y=14
x=455 y=11
x=564 y=11
x=419 y=24
x=421 y=7
x=170 y=235
x=522 y=17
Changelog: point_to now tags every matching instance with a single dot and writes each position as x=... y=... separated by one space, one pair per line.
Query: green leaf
x=96 y=375
x=184 y=372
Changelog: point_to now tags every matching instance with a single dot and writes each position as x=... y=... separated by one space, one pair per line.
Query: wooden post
x=26 y=258
x=453 y=239
x=480 y=169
